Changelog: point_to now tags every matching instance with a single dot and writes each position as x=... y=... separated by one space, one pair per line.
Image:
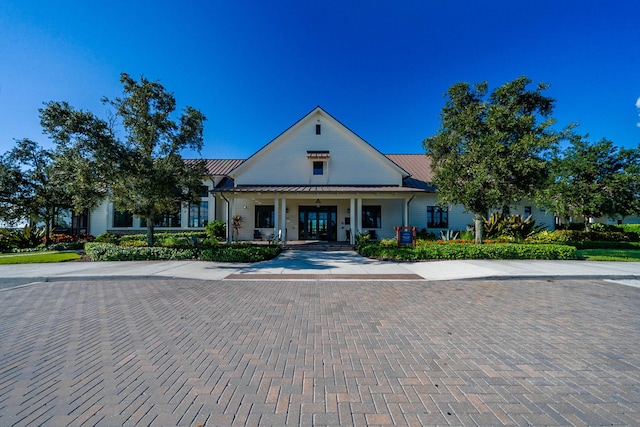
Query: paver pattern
x=169 y=352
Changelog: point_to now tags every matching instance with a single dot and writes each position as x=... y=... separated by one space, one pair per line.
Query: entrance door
x=318 y=223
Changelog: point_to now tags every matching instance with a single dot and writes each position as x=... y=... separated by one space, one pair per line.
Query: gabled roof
x=336 y=122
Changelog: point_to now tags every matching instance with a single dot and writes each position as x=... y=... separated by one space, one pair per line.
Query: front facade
x=317 y=180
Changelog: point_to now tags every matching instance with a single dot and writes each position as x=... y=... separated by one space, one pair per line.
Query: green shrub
x=426 y=235
x=468 y=235
x=210 y=242
x=107 y=237
x=66 y=246
x=513 y=226
x=175 y=242
x=388 y=242
x=589 y=244
x=629 y=228
x=111 y=252
x=240 y=253
x=570 y=236
x=216 y=230
x=235 y=253
x=471 y=251
x=136 y=243
x=160 y=238
x=361 y=239
x=596 y=226
x=22 y=238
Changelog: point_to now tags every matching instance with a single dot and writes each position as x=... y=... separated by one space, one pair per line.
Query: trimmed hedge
x=112 y=252
x=470 y=251
x=630 y=228
x=568 y=236
x=240 y=254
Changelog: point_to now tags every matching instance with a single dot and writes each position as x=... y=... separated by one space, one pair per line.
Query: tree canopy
x=492 y=149
x=592 y=180
x=34 y=188
x=144 y=173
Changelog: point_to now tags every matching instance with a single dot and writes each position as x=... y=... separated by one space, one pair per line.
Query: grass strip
x=37 y=258
x=629 y=255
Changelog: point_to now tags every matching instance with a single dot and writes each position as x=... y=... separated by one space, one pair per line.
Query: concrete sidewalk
x=324 y=265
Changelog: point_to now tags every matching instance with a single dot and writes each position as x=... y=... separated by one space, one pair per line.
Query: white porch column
x=352 y=220
x=406 y=212
x=283 y=222
x=276 y=216
x=227 y=218
x=359 y=216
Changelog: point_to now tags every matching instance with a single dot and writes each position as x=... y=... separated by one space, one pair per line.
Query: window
x=527 y=211
x=198 y=214
x=264 y=216
x=318 y=129
x=371 y=217
x=318 y=168
x=437 y=217
x=169 y=220
x=122 y=219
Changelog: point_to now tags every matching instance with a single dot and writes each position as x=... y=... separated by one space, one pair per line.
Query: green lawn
x=609 y=254
x=37 y=257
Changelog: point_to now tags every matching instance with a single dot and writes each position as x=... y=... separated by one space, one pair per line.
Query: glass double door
x=318 y=223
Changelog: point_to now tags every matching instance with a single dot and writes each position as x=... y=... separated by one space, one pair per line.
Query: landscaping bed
x=453 y=250
x=221 y=253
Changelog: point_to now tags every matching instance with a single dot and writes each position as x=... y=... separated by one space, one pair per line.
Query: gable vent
x=322 y=154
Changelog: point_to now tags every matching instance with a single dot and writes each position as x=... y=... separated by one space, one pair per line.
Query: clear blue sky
x=380 y=67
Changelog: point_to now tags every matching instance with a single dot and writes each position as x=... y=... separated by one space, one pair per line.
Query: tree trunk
x=48 y=221
x=587 y=224
x=150 y=219
x=477 y=219
x=47 y=232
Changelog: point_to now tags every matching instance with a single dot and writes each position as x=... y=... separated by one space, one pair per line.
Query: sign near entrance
x=406 y=235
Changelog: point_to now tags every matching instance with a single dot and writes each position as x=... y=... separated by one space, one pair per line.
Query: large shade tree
x=11 y=188
x=34 y=189
x=492 y=150
x=143 y=173
x=591 y=180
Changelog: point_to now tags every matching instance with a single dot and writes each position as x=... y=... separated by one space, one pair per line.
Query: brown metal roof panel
x=218 y=167
x=418 y=165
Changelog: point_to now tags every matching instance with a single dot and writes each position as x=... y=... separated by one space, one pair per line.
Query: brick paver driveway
x=184 y=352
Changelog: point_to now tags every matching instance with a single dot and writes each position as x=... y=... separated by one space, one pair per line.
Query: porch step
x=318 y=246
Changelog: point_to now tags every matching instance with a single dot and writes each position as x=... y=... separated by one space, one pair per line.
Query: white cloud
x=638 y=107
x=638 y=103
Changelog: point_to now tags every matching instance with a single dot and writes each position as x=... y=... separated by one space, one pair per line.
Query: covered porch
x=315 y=213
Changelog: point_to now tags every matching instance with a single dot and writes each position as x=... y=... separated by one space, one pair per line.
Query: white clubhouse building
x=317 y=180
